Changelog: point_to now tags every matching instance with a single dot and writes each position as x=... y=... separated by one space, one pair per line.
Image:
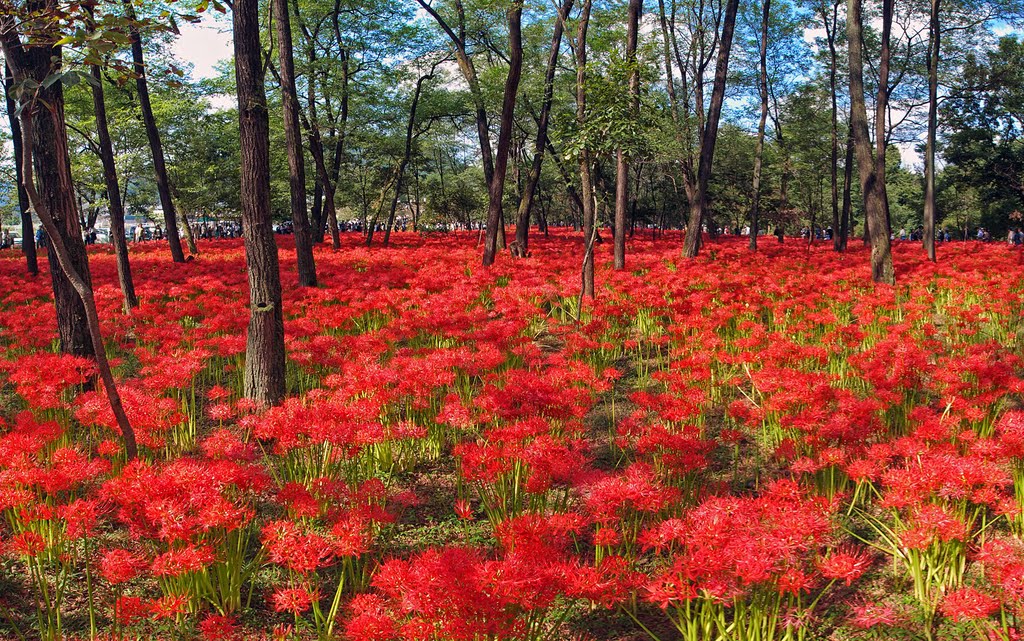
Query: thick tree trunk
x=293 y=141
x=529 y=192
x=621 y=161
x=50 y=152
x=874 y=206
x=78 y=278
x=66 y=244
x=116 y=207
x=691 y=244
x=153 y=135
x=929 y=153
x=28 y=232
x=759 y=147
x=586 y=182
x=508 y=105
x=264 y=354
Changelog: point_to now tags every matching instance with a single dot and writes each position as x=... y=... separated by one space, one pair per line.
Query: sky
x=204 y=45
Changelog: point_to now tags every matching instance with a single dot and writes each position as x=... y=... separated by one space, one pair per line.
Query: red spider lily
x=969 y=604
x=120 y=566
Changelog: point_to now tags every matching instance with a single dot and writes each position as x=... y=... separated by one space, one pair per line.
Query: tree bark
x=759 y=147
x=874 y=206
x=621 y=161
x=264 y=354
x=293 y=141
x=929 y=153
x=831 y=23
x=116 y=207
x=153 y=135
x=882 y=110
x=508 y=106
x=49 y=148
x=28 y=232
x=844 y=221
x=691 y=243
x=586 y=182
x=529 y=192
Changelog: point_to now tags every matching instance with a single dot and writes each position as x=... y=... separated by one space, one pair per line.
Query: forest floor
x=743 y=446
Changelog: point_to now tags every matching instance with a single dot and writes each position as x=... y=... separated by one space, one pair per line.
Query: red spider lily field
x=739 y=447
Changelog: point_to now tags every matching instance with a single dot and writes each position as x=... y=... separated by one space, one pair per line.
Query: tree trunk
x=759 y=148
x=831 y=23
x=929 y=153
x=293 y=141
x=621 y=161
x=691 y=244
x=882 y=110
x=28 y=232
x=49 y=148
x=38 y=63
x=508 y=106
x=844 y=221
x=586 y=182
x=409 y=130
x=116 y=207
x=153 y=134
x=874 y=207
x=66 y=262
x=264 y=354
x=529 y=192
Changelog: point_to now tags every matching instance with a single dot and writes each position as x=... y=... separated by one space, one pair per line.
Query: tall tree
x=586 y=182
x=36 y=69
x=28 y=238
x=115 y=205
x=691 y=244
x=873 y=193
x=33 y=65
x=264 y=352
x=762 y=87
x=508 y=106
x=621 y=161
x=153 y=135
x=934 y=33
x=293 y=140
x=543 y=121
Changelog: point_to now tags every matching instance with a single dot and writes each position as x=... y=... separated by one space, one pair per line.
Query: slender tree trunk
x=264 y=354
x=153 y=134
x=759 y=148
x=409 y=130
x=116 y=209
x=293 y=141
x=46 y=141
x=691 y=244
x=844 y=222
x=586 y=181
x=28 y=232
x=874 y=207
x=621 y=161
x=929 y=153
x=882 y=110
x=67 y=264
x=831 y=22
x=529 y=192
x=497 y=185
